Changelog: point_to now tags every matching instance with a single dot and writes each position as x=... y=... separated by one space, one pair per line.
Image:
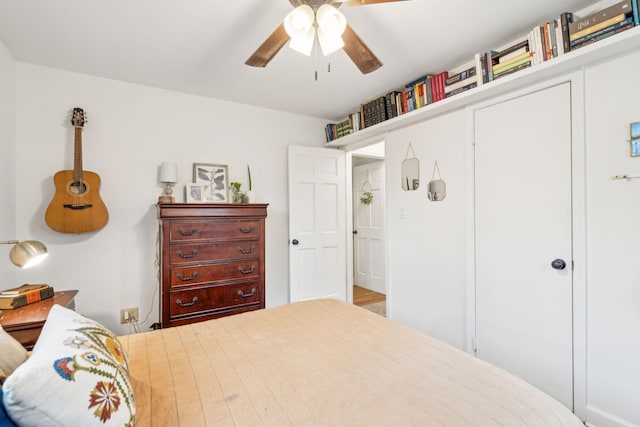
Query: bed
x=318 y=363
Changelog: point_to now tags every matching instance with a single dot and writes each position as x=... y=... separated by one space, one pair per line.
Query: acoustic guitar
x=77 y=207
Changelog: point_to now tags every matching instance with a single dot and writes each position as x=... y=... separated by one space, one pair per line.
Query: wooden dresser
x=211 y=260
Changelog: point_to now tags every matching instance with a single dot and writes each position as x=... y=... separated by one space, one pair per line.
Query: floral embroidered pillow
x=77 y=375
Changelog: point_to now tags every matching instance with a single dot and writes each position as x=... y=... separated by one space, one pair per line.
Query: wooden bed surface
x=322 y=363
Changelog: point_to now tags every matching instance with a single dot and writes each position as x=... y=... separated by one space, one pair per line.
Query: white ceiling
x=199 y=46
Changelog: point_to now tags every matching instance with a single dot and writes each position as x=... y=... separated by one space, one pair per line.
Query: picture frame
x=194 y=193
x=215 y=181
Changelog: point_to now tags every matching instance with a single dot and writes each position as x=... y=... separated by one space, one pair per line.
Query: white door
x=317 y=224
x=523 y=224
x=368 y=227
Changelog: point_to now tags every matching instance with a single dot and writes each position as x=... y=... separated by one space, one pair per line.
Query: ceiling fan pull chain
x=316 y=72
x=328 y=67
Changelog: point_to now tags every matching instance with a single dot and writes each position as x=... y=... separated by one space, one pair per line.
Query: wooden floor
x=362 y=296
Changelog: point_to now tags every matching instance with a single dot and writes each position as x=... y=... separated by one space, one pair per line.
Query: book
x=464 y=74
x=23 y=289
x=513 y=70
x=462 y=89
x=461 y=83
x=623 y=7
x=603 y=36
x=597 y=27
x=16 y=301
x=598 y=33
x=634 y=7
x=516 y=60
x=565 y=19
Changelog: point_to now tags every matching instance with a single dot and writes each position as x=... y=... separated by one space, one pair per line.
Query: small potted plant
x=236 y=194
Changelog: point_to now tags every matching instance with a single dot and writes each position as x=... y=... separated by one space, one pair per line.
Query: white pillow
x=12 y=354
x=77 y=375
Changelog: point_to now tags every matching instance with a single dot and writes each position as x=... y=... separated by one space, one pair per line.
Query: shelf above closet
x=618 y=45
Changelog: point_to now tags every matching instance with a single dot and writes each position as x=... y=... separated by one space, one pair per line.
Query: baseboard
x=599 y=418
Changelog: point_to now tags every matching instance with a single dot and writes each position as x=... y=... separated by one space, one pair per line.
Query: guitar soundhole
x=77 y=188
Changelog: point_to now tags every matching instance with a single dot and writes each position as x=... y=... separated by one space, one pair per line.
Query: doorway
x=368 y=249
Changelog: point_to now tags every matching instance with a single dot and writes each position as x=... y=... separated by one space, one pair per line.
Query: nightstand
x=25 y=323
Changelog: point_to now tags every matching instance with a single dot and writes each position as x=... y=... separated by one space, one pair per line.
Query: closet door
x=523 y=238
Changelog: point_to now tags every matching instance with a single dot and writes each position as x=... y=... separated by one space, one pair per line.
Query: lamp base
x=166 y=199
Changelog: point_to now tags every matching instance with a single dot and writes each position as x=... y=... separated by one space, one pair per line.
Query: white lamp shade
x=168 y=172
x=328 y=43
x=28 y=253
x=303 y=43
x=299 y=21
x=331 y=25
x=331 y=21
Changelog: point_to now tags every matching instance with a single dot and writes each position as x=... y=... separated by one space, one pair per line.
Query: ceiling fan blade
x=269 y=48
x=366 y=2
x=359 y=53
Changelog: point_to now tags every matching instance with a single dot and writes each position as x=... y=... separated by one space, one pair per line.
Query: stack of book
x=510 y=60
x=23 y=295
x=462 y=81
x=602 y=24
x=373 y=112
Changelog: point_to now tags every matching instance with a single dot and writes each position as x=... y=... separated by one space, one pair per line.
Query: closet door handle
x=558 y=264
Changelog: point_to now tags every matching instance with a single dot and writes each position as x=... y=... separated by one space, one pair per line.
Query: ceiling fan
x=319 y=19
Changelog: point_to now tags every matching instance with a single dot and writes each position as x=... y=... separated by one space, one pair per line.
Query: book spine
x=603 y=36
x=565 y=19
x=26 y=298
x=513 y=70
x=594 y=28
x=461 y=76
x=497 y=73
x=462 y=89
x=522 y=45
x=467 y=81
x=598 y=33
x=621 y=8
x=636 y=13
x=515 y=59
x=554 y=42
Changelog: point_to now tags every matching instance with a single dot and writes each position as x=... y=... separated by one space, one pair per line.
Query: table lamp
x=168 y=176
x=27 y=253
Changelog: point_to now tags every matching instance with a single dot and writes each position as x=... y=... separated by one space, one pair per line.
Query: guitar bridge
x=77 y=206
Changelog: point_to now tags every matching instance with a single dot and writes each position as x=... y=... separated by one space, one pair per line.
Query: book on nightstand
x=23 y=295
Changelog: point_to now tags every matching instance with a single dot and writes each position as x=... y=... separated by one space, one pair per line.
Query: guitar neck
x=77 y=155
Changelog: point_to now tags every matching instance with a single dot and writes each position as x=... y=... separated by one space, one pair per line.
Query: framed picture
x=194 y=193
x=214 y=179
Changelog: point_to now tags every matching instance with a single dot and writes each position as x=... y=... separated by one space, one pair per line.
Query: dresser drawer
x=181 y=254
x=188 y=276
x=181 y=231
x=188 y=302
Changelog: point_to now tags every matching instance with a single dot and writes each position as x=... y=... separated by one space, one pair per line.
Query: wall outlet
x=128 y=315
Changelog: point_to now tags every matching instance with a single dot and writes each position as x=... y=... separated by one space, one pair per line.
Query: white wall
x=131 y=129
x=427 y=249
x=613 y=236
x=7 y=161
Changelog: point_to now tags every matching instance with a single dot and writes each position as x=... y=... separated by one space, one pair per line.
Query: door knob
x=294 y=242
x=558 y=264
x=355 y=231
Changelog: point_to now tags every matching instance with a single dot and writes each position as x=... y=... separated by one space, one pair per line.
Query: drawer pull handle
x=187 y=304
x=251 y=270
x=246 y=251
x=186 y=279
x=186 y=256
x=187 y=232
x=246 y=230
x=243 y=295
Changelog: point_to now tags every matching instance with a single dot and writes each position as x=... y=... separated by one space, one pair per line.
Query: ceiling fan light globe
x=328 y=43
x=303 y=43
x=299 y=21
x=330 y=20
